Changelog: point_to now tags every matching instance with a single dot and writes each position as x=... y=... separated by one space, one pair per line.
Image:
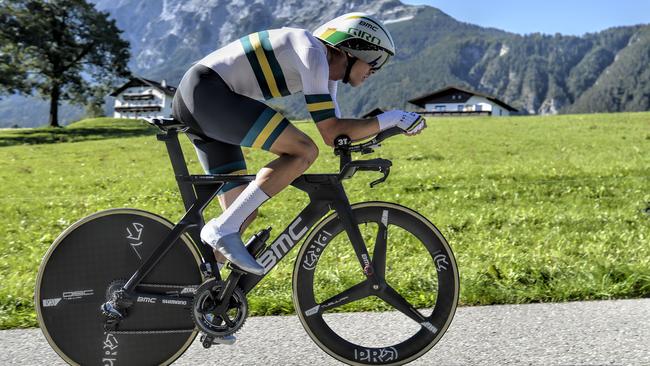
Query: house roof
x=138 y=81
x=422 y=100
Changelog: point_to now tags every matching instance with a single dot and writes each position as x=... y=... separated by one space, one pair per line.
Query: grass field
x=537 y=209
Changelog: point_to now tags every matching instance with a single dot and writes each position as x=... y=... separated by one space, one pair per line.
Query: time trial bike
x=128 y=287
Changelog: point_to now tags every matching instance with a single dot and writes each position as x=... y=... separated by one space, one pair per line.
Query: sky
x=569 y=17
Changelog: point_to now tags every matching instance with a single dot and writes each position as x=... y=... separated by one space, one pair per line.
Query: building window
x=479 y=107
x=460 y=107
x=440 y=108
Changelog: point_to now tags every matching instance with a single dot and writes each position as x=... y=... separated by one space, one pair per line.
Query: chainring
x=204 y=309
x=114 y=286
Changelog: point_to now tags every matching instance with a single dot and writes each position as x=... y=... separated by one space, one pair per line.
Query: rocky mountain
x=167 y=35
x=538 y=74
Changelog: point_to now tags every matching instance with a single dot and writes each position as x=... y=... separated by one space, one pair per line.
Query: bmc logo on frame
x=282 y=245
x=150 y=300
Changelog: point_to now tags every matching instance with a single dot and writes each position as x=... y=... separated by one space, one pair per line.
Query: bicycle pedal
x=208 y=341
x=228 y=340
x=233 y=268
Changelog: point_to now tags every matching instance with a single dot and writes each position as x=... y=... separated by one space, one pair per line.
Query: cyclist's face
x=360 y=72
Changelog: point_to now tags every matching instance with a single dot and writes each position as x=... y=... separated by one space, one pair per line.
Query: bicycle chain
x=141 y=332
x=168 y=286
x=161 y=331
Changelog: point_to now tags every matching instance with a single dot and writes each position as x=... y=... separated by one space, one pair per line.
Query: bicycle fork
x=349 y=222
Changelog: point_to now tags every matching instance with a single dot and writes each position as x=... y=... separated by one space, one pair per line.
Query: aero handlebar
x=344 y=148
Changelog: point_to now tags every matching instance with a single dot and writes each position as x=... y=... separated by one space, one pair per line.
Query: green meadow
x=536 y=209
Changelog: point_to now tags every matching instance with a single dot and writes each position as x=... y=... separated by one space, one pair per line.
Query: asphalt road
x=578 y=333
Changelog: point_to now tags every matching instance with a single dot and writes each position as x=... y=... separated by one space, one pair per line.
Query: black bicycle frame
x=325 y=192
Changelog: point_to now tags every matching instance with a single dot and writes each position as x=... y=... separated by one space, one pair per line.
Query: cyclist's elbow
x=329 y=130
x=329 y=141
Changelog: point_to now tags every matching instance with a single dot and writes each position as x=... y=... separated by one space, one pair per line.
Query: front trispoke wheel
x=379 y=254
x=396 y=300
x=354 y=293
x=402 y=273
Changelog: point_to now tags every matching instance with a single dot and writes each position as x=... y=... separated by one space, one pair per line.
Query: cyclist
x=220 y=100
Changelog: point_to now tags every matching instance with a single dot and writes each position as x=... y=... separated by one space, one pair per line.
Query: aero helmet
x=361 y=35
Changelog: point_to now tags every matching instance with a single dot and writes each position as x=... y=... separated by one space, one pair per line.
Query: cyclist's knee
x=294 y=142
x=309 y=152
x=304 y=153
x=297 y=145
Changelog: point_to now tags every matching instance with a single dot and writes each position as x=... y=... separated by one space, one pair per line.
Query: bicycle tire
x=94 y=252
x=412 y=228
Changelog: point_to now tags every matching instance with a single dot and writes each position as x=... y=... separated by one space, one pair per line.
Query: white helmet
x=361 y=35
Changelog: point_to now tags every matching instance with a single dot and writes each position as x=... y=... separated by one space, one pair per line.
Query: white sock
x=234 y=216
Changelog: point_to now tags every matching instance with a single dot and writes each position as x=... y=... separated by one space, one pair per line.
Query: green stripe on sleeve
x=322 y=115
x=257 y=68
x=278 y=75
x=317 y=98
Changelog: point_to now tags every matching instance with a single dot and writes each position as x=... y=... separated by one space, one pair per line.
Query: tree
x=12 y=72
x=61 y=49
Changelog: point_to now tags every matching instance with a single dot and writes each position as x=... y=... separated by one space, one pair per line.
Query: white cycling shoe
x=232 y=247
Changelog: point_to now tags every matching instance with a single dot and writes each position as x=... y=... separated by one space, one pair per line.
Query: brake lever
x=386 y=171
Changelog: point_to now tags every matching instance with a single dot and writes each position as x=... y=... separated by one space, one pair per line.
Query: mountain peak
x=194 y=28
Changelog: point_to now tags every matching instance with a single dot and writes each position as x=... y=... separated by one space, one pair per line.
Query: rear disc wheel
x=94 y=254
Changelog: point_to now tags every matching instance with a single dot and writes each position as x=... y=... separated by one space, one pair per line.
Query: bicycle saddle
x=166 y=124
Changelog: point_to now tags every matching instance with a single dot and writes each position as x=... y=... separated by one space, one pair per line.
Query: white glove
x=410 y=122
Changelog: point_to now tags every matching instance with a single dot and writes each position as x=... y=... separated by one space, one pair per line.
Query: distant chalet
x=140 y=98
x=455 y=101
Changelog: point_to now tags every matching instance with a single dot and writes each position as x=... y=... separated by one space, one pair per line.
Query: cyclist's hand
x=418 y=127
x=412 y=123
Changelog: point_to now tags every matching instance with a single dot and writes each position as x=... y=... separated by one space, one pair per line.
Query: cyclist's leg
x=218 y=157
x=296 y=153
x=226 y=199
x=206 y=103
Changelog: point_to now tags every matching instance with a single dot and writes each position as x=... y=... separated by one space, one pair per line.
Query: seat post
x=170 y=137
x=169 y=134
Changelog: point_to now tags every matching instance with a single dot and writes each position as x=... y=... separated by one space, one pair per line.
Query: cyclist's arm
x=320 y=96
x=356 y=129
x=332 y=85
